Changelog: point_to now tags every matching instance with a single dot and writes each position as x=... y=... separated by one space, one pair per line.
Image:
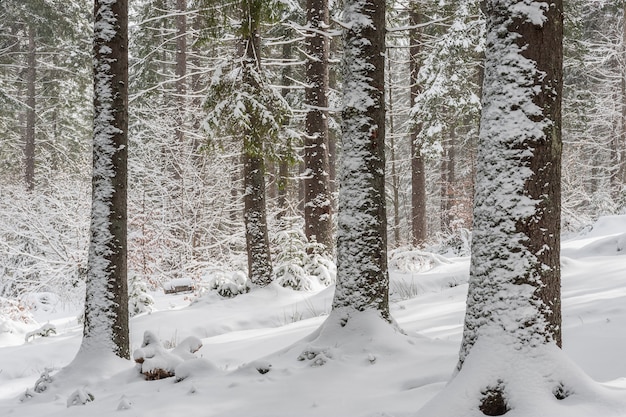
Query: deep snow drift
x=263 y=355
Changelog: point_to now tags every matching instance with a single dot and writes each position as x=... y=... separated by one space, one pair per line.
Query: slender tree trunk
x=622 y=143
x=106 y=305
x=181 y=73
x=332 y=136
x=282 y=183
x=31 y=79
x=418 y=166
x=255 y=217
x=362 y=277
x=317 y=205
x=444 y=220
x=395 y=181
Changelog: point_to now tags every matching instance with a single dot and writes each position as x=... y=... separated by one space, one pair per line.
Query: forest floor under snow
x=262 y=356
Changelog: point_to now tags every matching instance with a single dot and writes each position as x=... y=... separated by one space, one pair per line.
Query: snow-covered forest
x=309 y=207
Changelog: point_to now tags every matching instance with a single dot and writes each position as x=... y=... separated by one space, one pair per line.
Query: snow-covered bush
x=457 y=243
x=407 y=260
x=44 y=238
x=81 y=396
x=228 y=284
x=156 y=362
x=299 y=264
x=12 y=310
x=139 y=301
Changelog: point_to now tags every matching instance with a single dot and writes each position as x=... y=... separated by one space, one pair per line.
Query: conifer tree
x=362 y=277
x=106 y=304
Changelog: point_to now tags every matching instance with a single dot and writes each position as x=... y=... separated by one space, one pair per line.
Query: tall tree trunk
x=362 y=277
x=418 y=166
x=518 y=198
x=31 y=79
x=106 y=304
x=181 y=73
x=622 y=143
x=317 y=205
x=255 y=217
x=282 y=183
x=395 y=181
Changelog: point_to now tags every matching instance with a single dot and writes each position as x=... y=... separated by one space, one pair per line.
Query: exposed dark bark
x=317 y=205
x=255 y=217
x=362 y=276
x=545 y=47
x=418 y=166
x=31 y=79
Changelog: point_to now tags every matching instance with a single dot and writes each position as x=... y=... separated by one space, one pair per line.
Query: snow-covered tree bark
x=513 y=318
x=317 y=206
x=515 y=272
x=106 y=304
x=255 y=217
x=362 y=278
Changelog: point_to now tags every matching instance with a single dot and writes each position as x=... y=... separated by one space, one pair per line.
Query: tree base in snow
x=505 y=379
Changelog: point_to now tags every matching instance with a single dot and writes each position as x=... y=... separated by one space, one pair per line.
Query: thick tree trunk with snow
x=106 y=304
x=317 y=205
x=418 y=166
x=514 y=294
x=255 y=217
x=362 y=278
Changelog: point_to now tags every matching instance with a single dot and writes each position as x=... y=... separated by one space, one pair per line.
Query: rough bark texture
x=514 y=293
x=31 y=79
x=362 y=278
x=255 y=217
x=317 y=205
x=106 y=305
x=418 y=168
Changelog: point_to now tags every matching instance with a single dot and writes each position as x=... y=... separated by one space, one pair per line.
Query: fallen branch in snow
x=44 y=331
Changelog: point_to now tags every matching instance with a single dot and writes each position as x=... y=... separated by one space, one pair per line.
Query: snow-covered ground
x=263 y=356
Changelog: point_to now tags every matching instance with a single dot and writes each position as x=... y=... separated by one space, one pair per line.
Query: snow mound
x=607 y=225
x=539 y=381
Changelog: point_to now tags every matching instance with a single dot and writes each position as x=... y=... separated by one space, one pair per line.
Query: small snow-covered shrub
x=458 y=243
x=81 y=396
x=43 y=382
x=139 y=301
x=13 y=310
x=299 y=264
x=41 y=301
x=407 y=261
x=229 y=284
